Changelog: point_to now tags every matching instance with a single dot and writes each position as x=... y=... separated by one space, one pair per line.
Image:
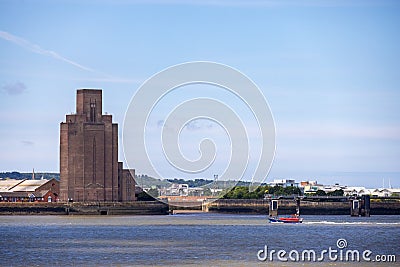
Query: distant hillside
x=191 y=183
x=142 y=180
x=28 y=175
x=147 y=181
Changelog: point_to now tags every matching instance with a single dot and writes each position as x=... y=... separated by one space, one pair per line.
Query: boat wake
x=351 y=223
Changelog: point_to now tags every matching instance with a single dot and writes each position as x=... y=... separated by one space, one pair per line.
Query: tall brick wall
x=89 y=152
x=126 y=184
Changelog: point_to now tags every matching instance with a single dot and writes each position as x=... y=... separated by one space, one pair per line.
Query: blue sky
x=329 y=70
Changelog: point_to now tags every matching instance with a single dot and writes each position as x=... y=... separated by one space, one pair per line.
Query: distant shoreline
x=232 y=206
x=378 y=179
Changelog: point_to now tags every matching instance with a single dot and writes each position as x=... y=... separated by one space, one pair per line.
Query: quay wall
x=247 y=206
x=378 y=207
x=88 y=208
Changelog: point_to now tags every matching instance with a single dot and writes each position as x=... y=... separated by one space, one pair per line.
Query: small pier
x=360 y=206
x=274 y=206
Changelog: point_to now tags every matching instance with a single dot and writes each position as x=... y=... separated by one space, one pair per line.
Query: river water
x=191 y=240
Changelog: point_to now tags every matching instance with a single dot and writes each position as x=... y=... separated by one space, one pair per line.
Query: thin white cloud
x=38 y=50
x=41 y=51
x=15 y=88
x=27 y=143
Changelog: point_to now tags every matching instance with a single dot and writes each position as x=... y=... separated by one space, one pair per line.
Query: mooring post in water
x=204 y=206
x=273 y=208
x=298 y=206
x=365 y=206
x=355 y=207
x=361 y=207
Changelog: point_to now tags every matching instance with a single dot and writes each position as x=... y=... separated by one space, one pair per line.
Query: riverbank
x=234 y=206
x=89 y=208
x=378 y=207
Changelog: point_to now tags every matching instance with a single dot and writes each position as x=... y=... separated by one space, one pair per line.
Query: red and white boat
x=292 y=219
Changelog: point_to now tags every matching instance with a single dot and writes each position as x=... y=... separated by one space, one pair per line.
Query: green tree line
x=242 y=192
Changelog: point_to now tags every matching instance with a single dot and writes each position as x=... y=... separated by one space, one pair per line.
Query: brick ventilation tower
x=89 y=168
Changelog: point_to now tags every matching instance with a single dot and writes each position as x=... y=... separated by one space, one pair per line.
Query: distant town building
x=284 y=183
x=332 y=188
x=89 y=168
x=12 y=190
x=378 y=192
x=384 y=192
x=175 y=190
x=305 y=183
x=310 y=187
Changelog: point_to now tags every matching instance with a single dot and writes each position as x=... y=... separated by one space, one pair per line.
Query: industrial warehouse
x=12 y=190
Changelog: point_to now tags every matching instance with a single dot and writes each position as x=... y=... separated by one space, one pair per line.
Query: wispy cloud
x=27 y=143
x=38 y=50
x=14 y=88
x=104 y=77
x=196 y=125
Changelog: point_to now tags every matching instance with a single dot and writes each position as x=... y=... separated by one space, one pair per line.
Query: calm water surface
x=185 y=240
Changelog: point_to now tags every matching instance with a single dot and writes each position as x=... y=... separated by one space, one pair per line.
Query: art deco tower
x=89 y=152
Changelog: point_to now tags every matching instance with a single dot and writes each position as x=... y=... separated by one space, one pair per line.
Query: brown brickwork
x=126 y=184
x=89 y=152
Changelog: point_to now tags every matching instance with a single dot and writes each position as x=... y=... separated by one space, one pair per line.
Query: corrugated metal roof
x=29 y=185
x=12 y=185
x=7 y=184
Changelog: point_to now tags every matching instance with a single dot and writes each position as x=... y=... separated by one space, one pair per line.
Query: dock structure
x=274 y=205
x=273 y=208
x=355 y=208
x=360 y=206
x=309 y=206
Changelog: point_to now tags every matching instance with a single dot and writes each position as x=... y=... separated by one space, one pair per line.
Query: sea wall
x=119 y=208
x=248 y=206
x=378 y=207
x=89 y=208
x=31 y=208
x=385 y=207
